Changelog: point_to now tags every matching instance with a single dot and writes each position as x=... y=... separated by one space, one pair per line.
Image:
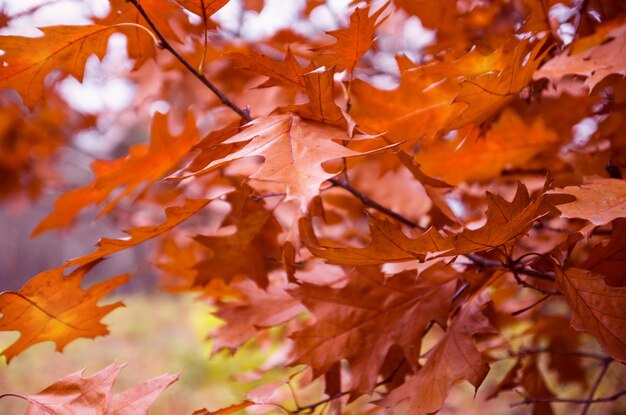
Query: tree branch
x=374 y=204
x=163 y=43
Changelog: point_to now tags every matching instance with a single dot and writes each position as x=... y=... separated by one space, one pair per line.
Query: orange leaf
x=294 y=151
x=353 y=41
x=596 y=63
x=145 y=164
x=510 y=143
x=173 y=216
x=287 y=73
x=61 y=47
x=203 y=8
x=53 y=307
x=598 y=200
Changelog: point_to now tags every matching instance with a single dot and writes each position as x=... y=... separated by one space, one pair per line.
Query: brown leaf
x=375 y=312
x=258 y=310
x=455 y=357
x=246 y=251
x=609 y=259
x=597 y=308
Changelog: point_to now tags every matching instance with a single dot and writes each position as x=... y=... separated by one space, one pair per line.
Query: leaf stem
x=163 y=43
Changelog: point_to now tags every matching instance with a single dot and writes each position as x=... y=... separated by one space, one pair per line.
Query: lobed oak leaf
x=454 y=358
x=417 y=108
x=174 y=215
x=287 y=73
x=609 y=259
x=510 y=143
x=320 y=89
x=258 y=309
x=294 y=151
x=388 y=244
x=598 y=200
x=354 y=41
x=203 y=8
x=506 y=221
x=597 y=308
x=141 y=45
x=246 y=251
x=596 y=63
x=363 y=320
x=485 y=94
x=145 y=164
x=76 y=394
x=61 y=47
x=53 y=307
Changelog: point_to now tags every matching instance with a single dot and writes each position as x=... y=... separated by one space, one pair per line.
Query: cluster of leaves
x=409 y=227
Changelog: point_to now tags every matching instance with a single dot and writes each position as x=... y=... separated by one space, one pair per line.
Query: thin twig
x=575 y=353
x=528 y=400
x=487 y=263
x=526 y=284
x=533 y=305
x=311 y=407
x=594 y=388
x=374 y=204
x=163 y=43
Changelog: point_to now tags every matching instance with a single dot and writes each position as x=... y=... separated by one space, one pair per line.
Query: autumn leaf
x=141 y=44
x=455 y=357
x=245 y=252
x=294 y=151
x=203 y=8
x=374 y=311
x=506 y=221
x=609 y=259
x=53 y=307
x=388 y=244
x=606 y=57
x=319 y=85
x=510 y=143
x=173 y=216
x=76 y=394
x=485 y=94
x=353 y=41
x=61 y=47
x=258 y=310
x=286 y=73
x=145 y=164
x=597 y=308
x=598 y=200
